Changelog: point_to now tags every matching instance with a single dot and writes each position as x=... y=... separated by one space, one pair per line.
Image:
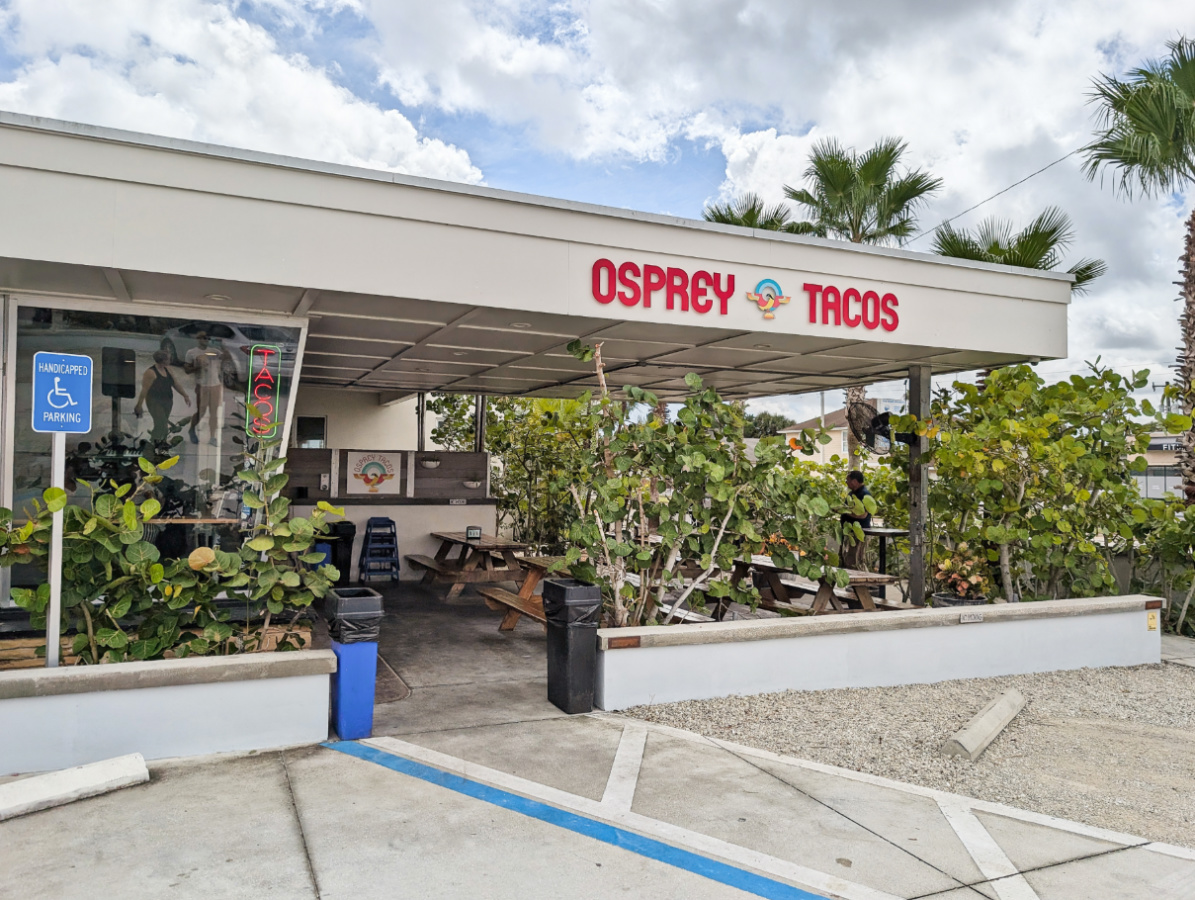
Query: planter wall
x=663 y=664
x=68 y=716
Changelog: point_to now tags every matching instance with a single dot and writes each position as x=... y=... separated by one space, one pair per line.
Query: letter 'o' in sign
x=261 y=421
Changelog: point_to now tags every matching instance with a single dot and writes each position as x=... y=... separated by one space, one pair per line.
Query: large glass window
x=164 y=386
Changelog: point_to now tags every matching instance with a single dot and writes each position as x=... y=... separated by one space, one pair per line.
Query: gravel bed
x=1114 y=748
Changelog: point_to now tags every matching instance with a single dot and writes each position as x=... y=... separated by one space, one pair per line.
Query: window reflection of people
x=157 y=394
x=852 y=550
x=205 y=362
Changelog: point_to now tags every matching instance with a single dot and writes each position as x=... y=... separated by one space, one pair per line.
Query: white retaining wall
x=55 y=718
x=691 y=662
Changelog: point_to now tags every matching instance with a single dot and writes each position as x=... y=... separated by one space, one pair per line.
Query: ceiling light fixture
x=218 y=298
x=520 y=324
x=460 y=352
x=763 y=346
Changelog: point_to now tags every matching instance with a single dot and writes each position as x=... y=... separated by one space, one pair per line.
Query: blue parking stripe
x=729 y=875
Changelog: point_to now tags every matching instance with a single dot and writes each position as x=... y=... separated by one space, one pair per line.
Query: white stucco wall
x=876 y=657
x=55 y=732
x=356 y=420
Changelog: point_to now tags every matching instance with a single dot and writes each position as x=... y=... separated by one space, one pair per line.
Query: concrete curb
x=896 y=620
x=28 y=795
x=125 y=676
x=974 y=738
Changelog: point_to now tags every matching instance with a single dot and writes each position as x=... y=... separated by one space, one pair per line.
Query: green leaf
x=106 y=505
x=146 y=466
x=121 y=607
x=167 y=464
x=143 y=649
x=693 y=381
x=276 y=483
x=55 y=498
x=252 y=500
x=156 y=573
x=141 y=553
x=122 y=490
x=261 y=544
x=149 y=509
x=129 y=514
x=290 y=579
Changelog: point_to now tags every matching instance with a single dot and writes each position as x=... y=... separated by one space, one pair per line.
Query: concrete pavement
x=475 y=786
x=591 y=806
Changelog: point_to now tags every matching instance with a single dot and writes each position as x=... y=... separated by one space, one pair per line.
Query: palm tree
x=1146 y=135
x=1039 y=245
x=861 y=197
x=750 y=211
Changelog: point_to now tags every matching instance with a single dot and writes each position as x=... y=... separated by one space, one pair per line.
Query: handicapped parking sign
x=62 y=393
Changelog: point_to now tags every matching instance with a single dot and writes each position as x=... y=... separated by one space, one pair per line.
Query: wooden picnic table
x=525 y=602
x=782 y=581
x=481 y=560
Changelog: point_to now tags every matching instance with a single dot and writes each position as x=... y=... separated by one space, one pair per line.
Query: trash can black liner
x=354 y=630
x=572 y=603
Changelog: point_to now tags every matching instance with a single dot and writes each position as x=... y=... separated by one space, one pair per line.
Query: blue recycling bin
x=354 y=617
x=353 y=686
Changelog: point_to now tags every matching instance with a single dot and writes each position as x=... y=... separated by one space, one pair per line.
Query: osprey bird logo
x=767 y=296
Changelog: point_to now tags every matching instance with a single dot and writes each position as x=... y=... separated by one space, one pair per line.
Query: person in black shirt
x=852 y=550
x=158 y=386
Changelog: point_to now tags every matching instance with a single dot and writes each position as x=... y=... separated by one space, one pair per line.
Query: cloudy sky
x=660 y=105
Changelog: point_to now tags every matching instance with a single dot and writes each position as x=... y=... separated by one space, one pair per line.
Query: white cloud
x=984 y=95
x=194 y=69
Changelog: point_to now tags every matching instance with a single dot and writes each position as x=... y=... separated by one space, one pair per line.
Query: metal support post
x=54 y=611
x=479 y=424
x=919 y=404
x=420 y=421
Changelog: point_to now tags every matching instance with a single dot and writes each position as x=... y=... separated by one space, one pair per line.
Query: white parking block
x=28 y=795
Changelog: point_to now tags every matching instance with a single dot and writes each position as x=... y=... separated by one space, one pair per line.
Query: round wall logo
x=373 y=470
x=767 y=296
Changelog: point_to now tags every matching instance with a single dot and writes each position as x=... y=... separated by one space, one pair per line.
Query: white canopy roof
x=410 y=284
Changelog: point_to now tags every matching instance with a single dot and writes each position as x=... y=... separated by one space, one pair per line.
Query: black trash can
x=573 y=610
x=342 y=535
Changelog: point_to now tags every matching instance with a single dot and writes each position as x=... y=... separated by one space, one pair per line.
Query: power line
x=994 y=196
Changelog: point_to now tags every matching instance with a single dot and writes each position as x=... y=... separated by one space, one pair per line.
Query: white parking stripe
x=624 y=774
x=809 y=879
x=991 y=860
x=984 y=806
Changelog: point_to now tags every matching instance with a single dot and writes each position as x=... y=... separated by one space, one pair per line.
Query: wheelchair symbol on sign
x=58 y=398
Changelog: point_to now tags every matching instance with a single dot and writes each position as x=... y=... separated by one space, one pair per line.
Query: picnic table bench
x=525 y=602
x=482 y=560
x=781 y=583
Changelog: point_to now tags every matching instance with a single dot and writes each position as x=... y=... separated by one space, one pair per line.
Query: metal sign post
x=61 y=406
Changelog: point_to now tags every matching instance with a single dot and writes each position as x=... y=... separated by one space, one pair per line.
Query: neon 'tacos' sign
x=264 y=371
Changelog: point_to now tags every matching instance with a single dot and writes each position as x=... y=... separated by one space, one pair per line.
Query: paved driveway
x=590 y=806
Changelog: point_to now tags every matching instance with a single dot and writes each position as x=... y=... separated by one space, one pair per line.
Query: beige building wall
x=357 y=421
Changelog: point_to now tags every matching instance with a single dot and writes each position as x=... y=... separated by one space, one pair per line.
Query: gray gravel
x=1114 y=748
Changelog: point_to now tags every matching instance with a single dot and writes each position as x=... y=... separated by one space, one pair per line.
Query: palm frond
x=1085 y=272
x=1146 y=133
x=1039 y=245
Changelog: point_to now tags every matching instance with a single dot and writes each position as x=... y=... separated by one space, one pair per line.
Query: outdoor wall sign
x=373 y=473
x=678 y=289
x=263 y=391
x=851 y=307
x=634 y=284
x=767 y=296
